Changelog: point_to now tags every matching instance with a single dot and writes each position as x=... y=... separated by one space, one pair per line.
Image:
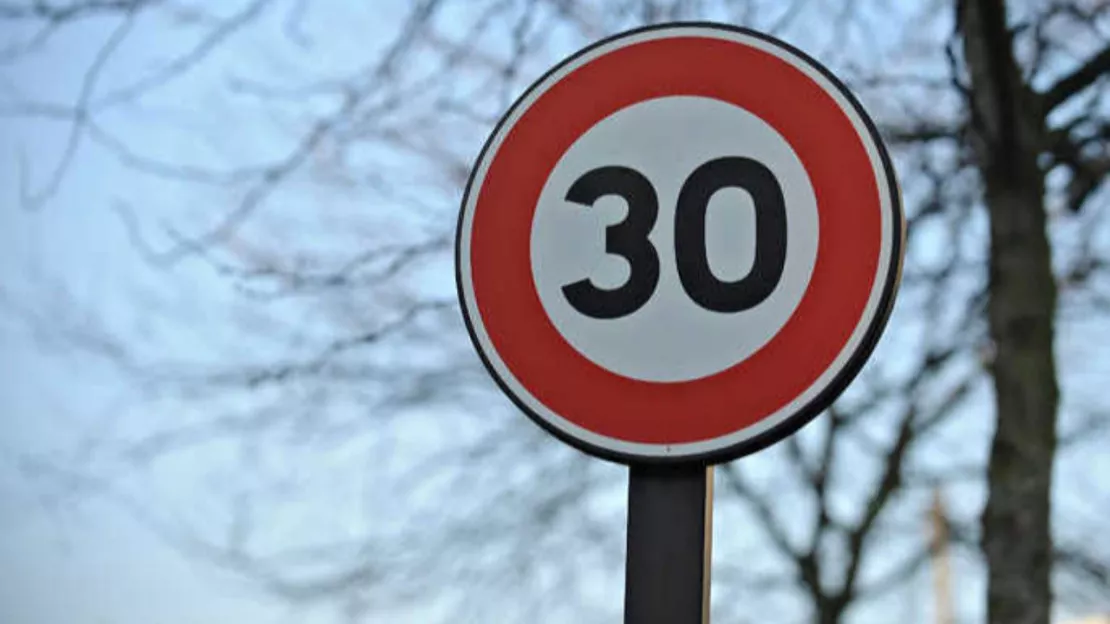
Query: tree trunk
x=1007 y=131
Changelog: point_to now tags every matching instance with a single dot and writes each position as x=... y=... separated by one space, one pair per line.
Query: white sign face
x=671 y=337
x=680 y=244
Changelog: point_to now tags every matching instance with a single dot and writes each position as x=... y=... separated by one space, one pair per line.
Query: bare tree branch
x=40 y=10
x=35 y=199
x=1095 y=69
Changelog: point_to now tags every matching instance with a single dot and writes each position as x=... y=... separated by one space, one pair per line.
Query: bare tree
x=1010 y=134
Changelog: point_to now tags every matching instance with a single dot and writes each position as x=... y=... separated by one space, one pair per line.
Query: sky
x=70 y=559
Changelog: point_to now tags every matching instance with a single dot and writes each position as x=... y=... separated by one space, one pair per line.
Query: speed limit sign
x=680 y=244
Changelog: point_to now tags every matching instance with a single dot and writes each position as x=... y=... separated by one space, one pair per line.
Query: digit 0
x=770 y=234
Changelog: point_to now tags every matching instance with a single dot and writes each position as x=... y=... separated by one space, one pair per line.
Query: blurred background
x=235 y=385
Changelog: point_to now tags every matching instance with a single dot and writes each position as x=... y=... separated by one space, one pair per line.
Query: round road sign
x=680 y=244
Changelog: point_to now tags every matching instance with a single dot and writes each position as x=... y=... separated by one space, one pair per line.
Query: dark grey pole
x=670 y=515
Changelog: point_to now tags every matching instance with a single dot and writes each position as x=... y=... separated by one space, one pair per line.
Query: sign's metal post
x=670 y=528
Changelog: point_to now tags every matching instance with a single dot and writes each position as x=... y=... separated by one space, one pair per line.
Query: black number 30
x=629 y=238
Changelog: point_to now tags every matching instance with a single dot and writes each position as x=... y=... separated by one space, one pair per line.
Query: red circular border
x=850 y=232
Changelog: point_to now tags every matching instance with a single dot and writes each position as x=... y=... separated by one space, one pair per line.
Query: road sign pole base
x=670 y=513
